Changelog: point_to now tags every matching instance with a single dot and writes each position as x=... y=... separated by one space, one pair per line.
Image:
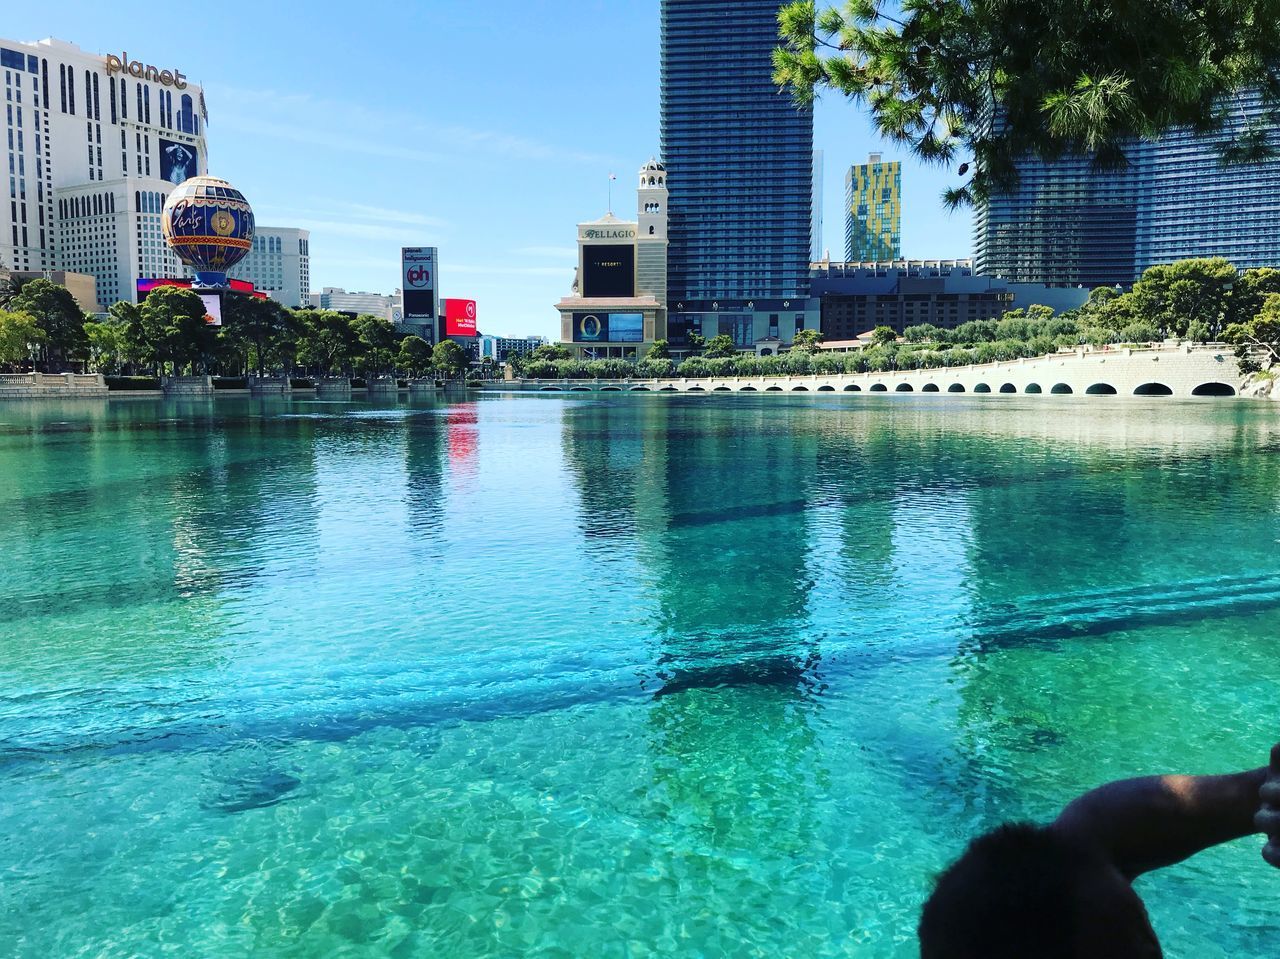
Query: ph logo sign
x=418 y=277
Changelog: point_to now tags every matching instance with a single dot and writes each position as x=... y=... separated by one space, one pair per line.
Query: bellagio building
x=618 y=305
x=94 y=144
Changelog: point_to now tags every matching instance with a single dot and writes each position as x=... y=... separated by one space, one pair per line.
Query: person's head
x=1026 y=891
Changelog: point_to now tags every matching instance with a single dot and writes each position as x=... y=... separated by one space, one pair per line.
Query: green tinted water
x=613 y=677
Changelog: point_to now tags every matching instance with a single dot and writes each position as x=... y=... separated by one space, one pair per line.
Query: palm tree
x=7 y=290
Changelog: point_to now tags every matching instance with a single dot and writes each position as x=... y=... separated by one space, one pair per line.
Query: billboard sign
x=419 y=283
x=177 y=161
x=212 y=309
x=145 y=284
x=609 y=270
x=459 y=317
x=608 y=327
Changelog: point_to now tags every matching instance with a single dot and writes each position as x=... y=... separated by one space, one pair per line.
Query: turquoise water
x=630 y=676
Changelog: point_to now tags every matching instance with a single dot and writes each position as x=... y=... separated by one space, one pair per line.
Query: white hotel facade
x=93 y=145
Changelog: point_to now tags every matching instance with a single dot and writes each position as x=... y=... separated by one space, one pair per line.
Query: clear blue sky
x=488 y=130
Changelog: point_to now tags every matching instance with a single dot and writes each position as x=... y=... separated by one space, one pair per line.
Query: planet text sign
x=144 y=71
x=459 y=317
x=421 y=291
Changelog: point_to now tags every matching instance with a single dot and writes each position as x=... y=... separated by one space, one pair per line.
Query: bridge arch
x=930 y=388
x=579 y=389
x=853 y=388
x=696 y=389
x=1008 y=388
x=639 y=389
x=955 y=388
x=774 y=389
x=904 y=388
x=611 y=389
x=1153 y=389
x=1033 y=388
x=982 y=388
x=1101 y=389
x=799 y=389
x=1061 y=388
x=879 y=388
x=1214 y=389
x=748 y=389
x=668 y=389
x=722 y=389
x=550 y=389
x=826 y=389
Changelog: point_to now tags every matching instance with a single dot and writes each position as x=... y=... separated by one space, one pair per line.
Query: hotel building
x=873 y=211
x=1067 y=223
x=740 y=157
x=279 y=263
x=94 y=145
x=617 y=308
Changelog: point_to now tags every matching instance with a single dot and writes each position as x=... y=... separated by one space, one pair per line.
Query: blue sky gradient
x=487 y=130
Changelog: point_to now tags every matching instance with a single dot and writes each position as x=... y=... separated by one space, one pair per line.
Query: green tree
x=414 y=356
x=58 y=315
x=262 y=330
x=659 y=351
x=806 y=341
x=1064 y=77
x=327 y=343
x=449 y=359
x=8 y=290
x=108 y=344
x=1249 y=294
x=20 y=337
x=1174 y=295
x=172 y=329
x=720 y=346
x=697 y=342
x=883 y=336
x=1257 y=341
x=551 y=352
x=924 y=333
x=377 y=339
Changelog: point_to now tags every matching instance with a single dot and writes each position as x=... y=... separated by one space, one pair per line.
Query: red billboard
x=459 y=317
x=147 y=284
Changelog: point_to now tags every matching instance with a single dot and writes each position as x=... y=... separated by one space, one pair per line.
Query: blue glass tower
x=739 y=157
x=1069 y=224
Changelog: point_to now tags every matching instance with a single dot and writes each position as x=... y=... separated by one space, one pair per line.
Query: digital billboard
x=145 y=284
x=609 y=270
x=608 y=327
x=212 y=309
x=421 y=293
x=459 y=317
x=177 y=161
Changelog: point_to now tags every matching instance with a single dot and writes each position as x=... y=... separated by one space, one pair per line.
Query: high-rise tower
x=739 y=152
x=873 y=211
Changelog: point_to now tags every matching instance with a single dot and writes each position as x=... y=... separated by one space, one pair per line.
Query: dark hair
x=1014 y=893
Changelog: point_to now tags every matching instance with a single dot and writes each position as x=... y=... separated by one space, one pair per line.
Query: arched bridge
x=1185 y=370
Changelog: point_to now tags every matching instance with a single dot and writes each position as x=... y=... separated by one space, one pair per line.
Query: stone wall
x=22 y=386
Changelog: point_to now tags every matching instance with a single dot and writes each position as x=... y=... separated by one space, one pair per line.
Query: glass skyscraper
x=1068 y=224
x=739 y=158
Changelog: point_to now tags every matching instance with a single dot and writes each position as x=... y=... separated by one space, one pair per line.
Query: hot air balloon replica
x=209 y=226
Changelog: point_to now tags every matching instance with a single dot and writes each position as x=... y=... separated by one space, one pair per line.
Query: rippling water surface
x=640 y=676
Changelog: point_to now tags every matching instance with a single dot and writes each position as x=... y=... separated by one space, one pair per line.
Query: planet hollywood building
x=95 y=145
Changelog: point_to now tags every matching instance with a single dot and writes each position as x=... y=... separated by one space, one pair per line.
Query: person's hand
x=1268 y=818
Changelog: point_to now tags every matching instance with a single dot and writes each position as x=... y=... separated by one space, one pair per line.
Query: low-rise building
x=279 y=262
x=857 y=297
x=502 y=348
x=337 y=299
x=82 y=286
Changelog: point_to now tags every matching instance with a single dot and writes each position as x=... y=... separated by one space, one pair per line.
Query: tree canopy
x=981 y=83
x=449 y=359
x=20 y=337
x=57 y=314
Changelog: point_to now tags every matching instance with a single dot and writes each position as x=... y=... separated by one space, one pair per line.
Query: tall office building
x=873 y=211
x=1067 y=223
x=279 y=263
x=95 y=144
x=739 y=154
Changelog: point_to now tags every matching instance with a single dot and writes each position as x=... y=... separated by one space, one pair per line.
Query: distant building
x=81 y=286
x=857 y=297
x=95 y=145
x=616 y=309
x=336 y=298
x=502 y=348
x=1067 y=223
x=873 y=211
x=740 y=158
x=280 y=263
